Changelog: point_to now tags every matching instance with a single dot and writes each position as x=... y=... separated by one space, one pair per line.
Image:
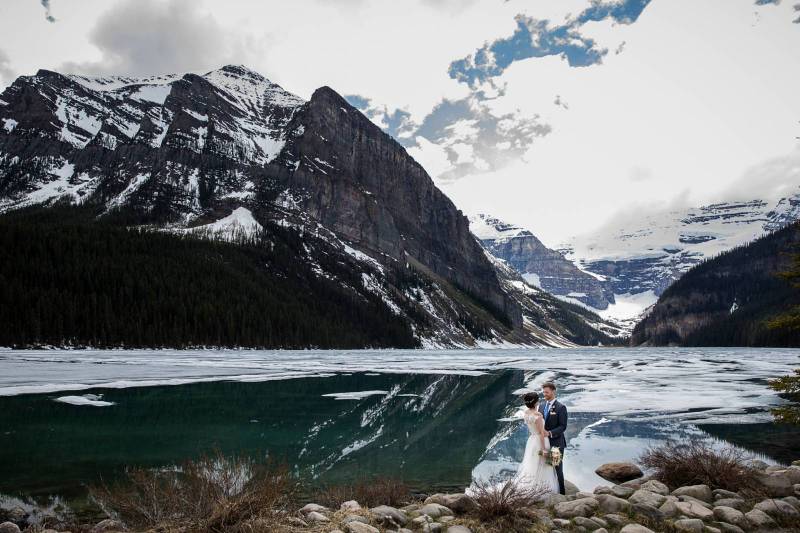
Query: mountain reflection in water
x=437 y=419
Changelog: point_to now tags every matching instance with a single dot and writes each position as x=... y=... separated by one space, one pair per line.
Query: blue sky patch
x=538 y=38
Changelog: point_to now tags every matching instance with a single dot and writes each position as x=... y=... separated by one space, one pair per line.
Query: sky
x=559 y=115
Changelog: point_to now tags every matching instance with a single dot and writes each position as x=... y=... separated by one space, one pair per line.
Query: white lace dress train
x=534 y=472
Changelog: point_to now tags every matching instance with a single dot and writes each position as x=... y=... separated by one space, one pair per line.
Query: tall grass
x=697 y=463
x=212 y=494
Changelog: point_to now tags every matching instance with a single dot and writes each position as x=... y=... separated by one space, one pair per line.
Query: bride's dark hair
x=531 y=399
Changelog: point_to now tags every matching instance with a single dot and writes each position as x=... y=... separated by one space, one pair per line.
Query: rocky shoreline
x=632 y=503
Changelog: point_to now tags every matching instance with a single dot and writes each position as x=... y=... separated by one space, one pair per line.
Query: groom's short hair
x=549 y=385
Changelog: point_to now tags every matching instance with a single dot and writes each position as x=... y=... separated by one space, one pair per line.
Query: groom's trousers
x=560 y=475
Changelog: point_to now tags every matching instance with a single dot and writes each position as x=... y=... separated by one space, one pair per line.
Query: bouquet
x=551 y=456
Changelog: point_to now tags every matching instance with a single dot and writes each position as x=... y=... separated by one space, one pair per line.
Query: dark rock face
x=540 y=265
x=359 y=182
x=727 y=300
x=186 y=153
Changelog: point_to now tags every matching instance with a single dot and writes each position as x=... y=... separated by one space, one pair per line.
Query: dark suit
x=556 y=424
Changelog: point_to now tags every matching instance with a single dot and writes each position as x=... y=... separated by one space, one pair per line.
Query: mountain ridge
x=203 y=152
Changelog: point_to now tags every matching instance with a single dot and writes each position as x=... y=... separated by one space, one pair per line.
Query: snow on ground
x=241 y=220
x=628 y=306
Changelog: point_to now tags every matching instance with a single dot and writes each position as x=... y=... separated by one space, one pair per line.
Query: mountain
x=229 y=154
x=642 y=255
x=727 y=300
x=539 y=265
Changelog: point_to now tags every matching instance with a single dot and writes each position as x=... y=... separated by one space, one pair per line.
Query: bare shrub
x=214 y=493
x=697 y=463
x=369 y=492
x=506 y=505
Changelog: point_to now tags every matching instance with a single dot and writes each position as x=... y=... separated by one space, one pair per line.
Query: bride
x=534 y=473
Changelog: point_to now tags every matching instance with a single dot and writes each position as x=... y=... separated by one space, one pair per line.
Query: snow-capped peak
x=485 y=226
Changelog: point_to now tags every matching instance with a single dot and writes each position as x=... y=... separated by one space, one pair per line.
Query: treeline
x=66 y=279
x=729 y=300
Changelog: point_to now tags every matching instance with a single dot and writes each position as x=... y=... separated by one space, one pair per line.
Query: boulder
x=725 y=527
x=551 y=500
x=107 y=525
x=612 y=504
x=432 y=527
x=316 y=517
x=560 y=522
x=635 y=528
x=635 y=483
x=355 y=518
x=459 y=502
x=17 y=515
x=615 y=520
x=687 y=498
x=313 y=507
x=777 y=508
x=701 y=492
x=736 y=503
x=387 y=515
x=730 y=515
x=647 y=511
x=759 y=519
x=582 y=494
x=358 y=527
x=9 y=527
x=647 y=497
x=669 y=509
x=655 y=486
x=689 y=525
x=603 y=489
x=781 y=482
x=570 y=488
x=299 y=522
x=621 y=491
x=619 y=472
x=791 y=500
x=588 y=523
x=350 y=505
x=694 y=510
x=420 y=521
x=721 y=493
x=580 y=507
x=435 y=510
x=458 y=529
x=797 y=489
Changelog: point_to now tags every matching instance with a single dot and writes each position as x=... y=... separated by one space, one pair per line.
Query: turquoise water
x=437 y=419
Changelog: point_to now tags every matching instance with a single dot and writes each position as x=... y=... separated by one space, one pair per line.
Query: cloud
x=539 y=38
x=396 y=123
x=7 y=74
x=772 y=179
x=458 y=136
x=144 y=37
x=47 y=13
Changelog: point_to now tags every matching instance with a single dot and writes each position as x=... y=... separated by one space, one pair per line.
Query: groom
x=555 y=423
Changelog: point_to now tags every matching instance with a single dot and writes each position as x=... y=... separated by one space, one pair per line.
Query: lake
x=436 y=418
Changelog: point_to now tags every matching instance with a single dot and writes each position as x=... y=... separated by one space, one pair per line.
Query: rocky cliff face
x=230 y=149
x=539 y=265
x=728 y=300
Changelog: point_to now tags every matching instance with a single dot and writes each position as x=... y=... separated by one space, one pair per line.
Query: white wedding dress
x=534 y=473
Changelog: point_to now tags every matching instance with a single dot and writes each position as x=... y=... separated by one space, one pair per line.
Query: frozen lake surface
x=438 y=418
